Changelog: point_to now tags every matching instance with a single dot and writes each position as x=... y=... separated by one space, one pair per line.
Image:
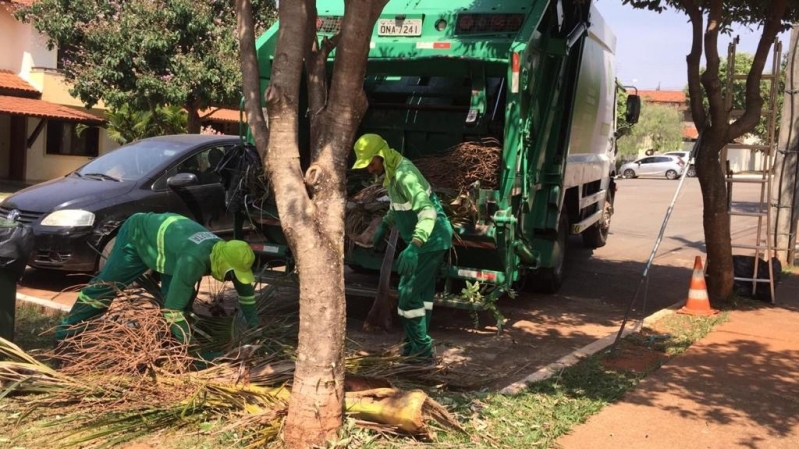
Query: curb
x=43 y=302
x=590 y=349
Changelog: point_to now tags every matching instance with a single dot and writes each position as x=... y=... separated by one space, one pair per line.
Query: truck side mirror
x=633 y=109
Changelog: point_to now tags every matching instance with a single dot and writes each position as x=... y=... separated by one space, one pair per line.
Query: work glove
x=408 y=260
x=379 y=237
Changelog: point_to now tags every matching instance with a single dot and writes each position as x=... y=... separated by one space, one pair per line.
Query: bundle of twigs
x=462 y=165
x=365 y=209
x=127 y=378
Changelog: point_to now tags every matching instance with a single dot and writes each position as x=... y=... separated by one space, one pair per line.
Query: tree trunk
x=193 y=123
x=715 y=218
x=785 y=190
x=312 y=206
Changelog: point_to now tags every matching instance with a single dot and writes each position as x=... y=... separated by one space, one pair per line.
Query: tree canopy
x=743 y=64
x=659 y=129
x=147 y=53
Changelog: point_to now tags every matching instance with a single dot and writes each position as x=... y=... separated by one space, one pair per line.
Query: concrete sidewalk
x=738 y=387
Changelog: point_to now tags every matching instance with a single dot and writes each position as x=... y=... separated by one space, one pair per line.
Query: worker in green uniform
x=182 y=251
x=420 y=220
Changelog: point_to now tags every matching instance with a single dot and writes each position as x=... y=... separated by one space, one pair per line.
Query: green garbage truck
x=536 y=78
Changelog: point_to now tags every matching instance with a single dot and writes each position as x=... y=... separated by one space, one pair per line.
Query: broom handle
x=385 y=268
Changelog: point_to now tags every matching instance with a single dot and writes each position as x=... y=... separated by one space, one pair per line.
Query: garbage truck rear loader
x=536 y=80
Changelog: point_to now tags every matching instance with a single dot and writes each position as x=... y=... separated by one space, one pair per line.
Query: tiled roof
x=19 y=2
x=39 y=108
x=663 y=96
x=689 y=132
x=11 y=81
x=220 y=115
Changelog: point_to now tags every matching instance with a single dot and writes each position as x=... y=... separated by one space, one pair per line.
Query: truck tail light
x=488 y=23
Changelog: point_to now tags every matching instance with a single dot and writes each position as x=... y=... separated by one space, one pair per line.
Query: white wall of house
x=23 y=47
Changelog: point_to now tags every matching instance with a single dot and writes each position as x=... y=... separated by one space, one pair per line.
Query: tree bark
x=785 y=189
x=251 y=76
x=193 y=123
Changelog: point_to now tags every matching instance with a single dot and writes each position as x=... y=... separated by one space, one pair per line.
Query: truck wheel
x=629 y=173
x=692 y=172
x=671 y=174
x=597 y=235
x=548 y=280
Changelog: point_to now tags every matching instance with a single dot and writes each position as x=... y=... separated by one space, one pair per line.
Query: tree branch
x=754 y=102
x=719 y=115
x=694 y=60
x=251 y=76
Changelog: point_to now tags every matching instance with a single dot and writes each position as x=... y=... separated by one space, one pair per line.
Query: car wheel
x=106 y=253
x=692 y=172
x=549 y=279
x=629 y=173
x=671 y=174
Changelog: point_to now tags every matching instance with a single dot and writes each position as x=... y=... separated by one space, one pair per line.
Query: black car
x=75 y=217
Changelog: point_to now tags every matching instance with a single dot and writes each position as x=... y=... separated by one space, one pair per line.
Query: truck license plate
x=392 y=27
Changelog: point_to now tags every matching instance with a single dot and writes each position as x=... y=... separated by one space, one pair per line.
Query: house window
x=63 y=139
x=62 y=55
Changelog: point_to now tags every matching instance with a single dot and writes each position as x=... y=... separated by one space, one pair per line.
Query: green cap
x=237 y=255
x=366 y=148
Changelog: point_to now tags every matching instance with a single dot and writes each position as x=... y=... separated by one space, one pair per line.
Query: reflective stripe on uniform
x=415 y=313
x=247 y=300
x=408 y=205
x=401 y=206
x=91 y=302
x=427 y=213
x=428 y=305
x=173 y=316
x=160 y=262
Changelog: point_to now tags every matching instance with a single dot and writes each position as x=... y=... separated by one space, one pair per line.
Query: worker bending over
x=420 y=220
x=182 y=252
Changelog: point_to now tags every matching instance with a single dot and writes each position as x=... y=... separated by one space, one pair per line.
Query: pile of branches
x=125 y=377
x=462 y=165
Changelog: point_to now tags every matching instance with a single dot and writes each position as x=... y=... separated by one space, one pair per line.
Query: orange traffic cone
x=698 y=302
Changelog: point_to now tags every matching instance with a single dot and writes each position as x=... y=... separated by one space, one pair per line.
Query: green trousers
x=120 y=270
x=415 y=305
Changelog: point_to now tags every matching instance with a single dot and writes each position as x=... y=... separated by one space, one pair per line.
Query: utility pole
x=785 y=190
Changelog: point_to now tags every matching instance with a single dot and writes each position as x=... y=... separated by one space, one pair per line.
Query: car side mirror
x=633 y=109
x=182 y=180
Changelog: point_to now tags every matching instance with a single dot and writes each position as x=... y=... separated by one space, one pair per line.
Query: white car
x=685 y=155
x=654 y=166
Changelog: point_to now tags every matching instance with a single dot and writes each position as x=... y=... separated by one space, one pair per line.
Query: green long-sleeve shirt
x=415 y=209
x=180 y=249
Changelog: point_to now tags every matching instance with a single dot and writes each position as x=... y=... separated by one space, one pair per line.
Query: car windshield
x=131 y=162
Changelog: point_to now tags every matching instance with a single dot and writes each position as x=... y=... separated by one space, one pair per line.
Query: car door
x=203 y=200
x=645 y=166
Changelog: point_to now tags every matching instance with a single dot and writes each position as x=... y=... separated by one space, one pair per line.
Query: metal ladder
x=763 y=245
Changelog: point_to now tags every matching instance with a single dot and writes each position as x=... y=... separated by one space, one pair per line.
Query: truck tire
x=597 y=235
x=549 y=279
x=692 y=171
x=629 y=173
